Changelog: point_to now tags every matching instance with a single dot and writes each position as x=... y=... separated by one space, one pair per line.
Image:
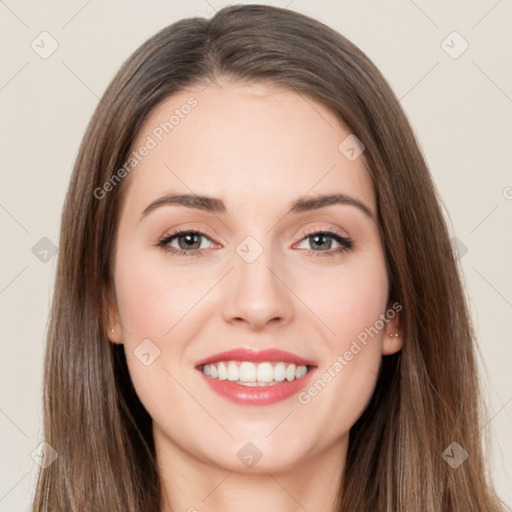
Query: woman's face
x=256 y=277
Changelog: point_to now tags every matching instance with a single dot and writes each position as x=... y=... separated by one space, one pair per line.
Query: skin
x=257 y=148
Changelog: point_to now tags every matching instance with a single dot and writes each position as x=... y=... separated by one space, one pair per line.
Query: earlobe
x=392 y=344
x=393 y=338
x=114 y=337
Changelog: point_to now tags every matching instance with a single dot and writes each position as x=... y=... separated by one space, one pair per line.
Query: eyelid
x=323 y=229
x=345 y=241
x=189 y=229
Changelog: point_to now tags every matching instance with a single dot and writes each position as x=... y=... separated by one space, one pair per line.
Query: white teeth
x=290 y=372
x=300 y=372
x=254 y=374
x=232 y=371
x=279 y=372
x=222 y=371
x=247 y=372
x=265 y=372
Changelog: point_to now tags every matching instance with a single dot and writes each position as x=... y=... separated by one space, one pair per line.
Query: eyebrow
x=216 y=206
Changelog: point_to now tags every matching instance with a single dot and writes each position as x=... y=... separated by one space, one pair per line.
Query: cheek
x=157 y=303
x=153 y=296
x=154 y=299
x=352 y=298
x=352 y=306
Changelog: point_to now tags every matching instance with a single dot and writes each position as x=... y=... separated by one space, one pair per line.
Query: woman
x=201 y=354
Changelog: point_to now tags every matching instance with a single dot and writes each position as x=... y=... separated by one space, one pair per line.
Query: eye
x=318 y=237
x=186 y=239
x=189 y=242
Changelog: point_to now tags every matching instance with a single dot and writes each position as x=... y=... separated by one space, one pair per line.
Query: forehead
x=250 y=144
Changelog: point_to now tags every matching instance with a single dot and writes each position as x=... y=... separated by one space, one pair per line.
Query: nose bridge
x=256 y=291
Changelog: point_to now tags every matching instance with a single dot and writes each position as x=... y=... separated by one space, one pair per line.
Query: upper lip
x=257 y=356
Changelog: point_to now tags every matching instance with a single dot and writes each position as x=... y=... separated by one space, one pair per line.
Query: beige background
x=460 y=108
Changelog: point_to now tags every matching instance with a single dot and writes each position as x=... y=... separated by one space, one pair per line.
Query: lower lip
x=257 y=395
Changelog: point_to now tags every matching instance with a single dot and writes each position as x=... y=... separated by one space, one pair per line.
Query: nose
x=257 y=295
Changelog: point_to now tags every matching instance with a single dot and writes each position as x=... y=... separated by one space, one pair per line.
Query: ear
x=393 y=336
x=114 y=333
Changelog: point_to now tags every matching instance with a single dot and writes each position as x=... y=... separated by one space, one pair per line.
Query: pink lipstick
x=256 y=377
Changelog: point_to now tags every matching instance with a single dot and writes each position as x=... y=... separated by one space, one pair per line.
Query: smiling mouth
x=248 y=373
x=248 y=376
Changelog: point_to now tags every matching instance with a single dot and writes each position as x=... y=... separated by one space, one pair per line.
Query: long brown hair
x=427 y=396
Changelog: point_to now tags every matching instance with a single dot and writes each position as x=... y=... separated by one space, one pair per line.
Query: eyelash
x=346 y=243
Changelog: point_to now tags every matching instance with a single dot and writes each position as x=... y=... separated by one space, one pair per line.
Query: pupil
x=190 y=238
x=315 y=237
